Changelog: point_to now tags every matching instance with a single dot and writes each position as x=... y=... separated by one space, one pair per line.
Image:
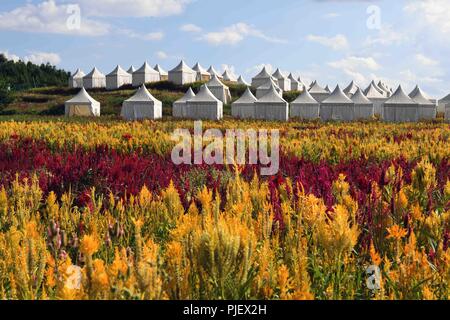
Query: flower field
x=97 y=210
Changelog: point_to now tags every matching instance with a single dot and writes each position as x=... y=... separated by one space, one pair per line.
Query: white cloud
x=257 y=68
x=236 y=33
x=331 y=15
x=338 y=42
x=133 y=8
x=355 y=66
x=161 y=55
x=411 y=77
x=35 y=57
x=190 y=28
x=48 y=17
x=387 y=36
x=432 y=12
x=426 y=61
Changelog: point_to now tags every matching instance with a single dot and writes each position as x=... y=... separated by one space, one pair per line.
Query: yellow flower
x=396 y=232
x=376 y=259
x=89 y=245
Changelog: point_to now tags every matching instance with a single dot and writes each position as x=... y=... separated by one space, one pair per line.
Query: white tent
x=219 y=90
x=262 y=78
x=117 y=78
x=82 y=105
x=229 y=76
x=337 y=107
x=351 y=89
x=242 y=81
x=204 y=106
x=295 y=85
x=302 y=84
x=145 y=74
x=283 y=82
x=262 y=90
x=213 y=73
x=443 y=103
x=142 y=105
x=76 y=79
x=179 y=107
x=94 y=79
x=385 y=88
x=272 y=106
x=427 y=109
x=363 y=106
x=327 y=89
x=447 y=112
x=305 y=107
x=131 y=70
x=401 y=108
x=182 y=74
x=202 y=74
x=376 y=97
x=163 y=74
x=244 y=107
x=381 y=91
x=318 y=93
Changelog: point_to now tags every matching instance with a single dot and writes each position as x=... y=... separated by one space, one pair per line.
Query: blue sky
x=333 y=41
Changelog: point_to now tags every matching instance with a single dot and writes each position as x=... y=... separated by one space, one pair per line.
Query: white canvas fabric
x=229 y=76
x=363 y=107
x=213 y=73
x=305 y=107
x=376 y=97
x=163 y=74
x=179 y=107
x=295 y=85
x=219 y=90
x=283 y=82
x=443 y=103
x=262 y=78
x=262 y=90
x=337 y=107
x=145 y=74
x=204 y=106
x=94 y=79
x=118 y=78
x=447 y=112
x=272 y=107
x=182 y=74
x=244 y=107
x=131 y=70
x=142 y=105
x=76 y=79
x=327 y=89
x=351 y=89
x=242 y=81
x=427 y=109
x=385 y=88
x=317 y=92
x=82 y=105
x=202 y=74
x=304 y=86
x=401 y=108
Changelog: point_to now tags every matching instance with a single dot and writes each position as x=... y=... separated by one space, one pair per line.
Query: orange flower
x=396 y=232
x=89 y=245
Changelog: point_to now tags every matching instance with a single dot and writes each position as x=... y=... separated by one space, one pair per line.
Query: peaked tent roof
x=241 y=80
x=131 y=69
x=337 y=96
x=415 y=92
x=372 y=93
x=352 y=87
x=213 y=72
x=229 y=75
x=305 y=98
x=272 y=96
x=267 y=84
x=246 y=98
x=446 y=98
x=187 y=96
x=419 y=96
x=359 y=98
x=215 y=82
x=263 y=74
x=95 y=73
x=182 y=67
x=82 y=97
x=199 y=68
x=161 y=70
x=327 y=89
x=78 y=74
x=204 y=95
x=377 y=87
x=316 y=88
x=118 y=71
x=278 y=74
x=400 y=97
x=146 y=69
x=142 y=95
